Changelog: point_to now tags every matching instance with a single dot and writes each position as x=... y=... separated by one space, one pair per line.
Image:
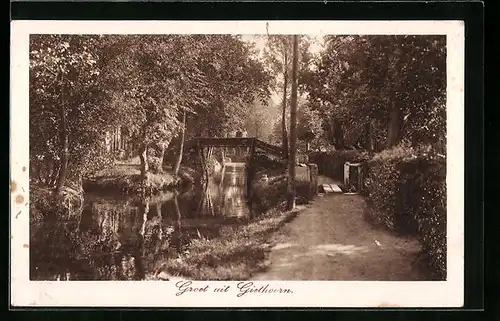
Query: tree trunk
x=143 y=155
x=181 y=149
x=284 y=134
x=160 y=219
x=163 y=147
x=293 y=127
x=395 y=125
x=64 y=152
x=177 y=235
x=178 y=215
x=367 y=138
x=162 y=156
x=338 y=133
x=53 y=173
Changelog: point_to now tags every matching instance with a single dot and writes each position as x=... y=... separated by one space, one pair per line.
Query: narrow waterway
x=126 y=238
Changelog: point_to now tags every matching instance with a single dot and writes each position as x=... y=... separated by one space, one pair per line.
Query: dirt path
x=331 y=240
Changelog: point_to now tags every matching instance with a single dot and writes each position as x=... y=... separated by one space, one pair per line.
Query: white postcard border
x=24 y=292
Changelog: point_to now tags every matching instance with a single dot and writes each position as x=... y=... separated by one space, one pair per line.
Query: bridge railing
x=275 y=150
x=226 y=142
x=237 y=142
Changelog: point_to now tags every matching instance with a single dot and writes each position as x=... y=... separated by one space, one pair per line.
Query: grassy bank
x=236 y=255
x=126 y=179
x=239 y=252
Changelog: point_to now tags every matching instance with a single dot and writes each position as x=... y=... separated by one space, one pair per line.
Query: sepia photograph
x=249 y=158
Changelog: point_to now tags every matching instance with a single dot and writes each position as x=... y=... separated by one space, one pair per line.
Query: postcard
x=237 y=164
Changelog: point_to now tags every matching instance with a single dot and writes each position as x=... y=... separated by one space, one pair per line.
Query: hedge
x=406 y=190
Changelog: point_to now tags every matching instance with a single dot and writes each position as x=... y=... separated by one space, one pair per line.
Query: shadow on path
x=331 y=240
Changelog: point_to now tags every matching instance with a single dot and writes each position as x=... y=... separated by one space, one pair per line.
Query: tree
x=260 y=118
x=309 y=124
x=380 y=87
x=277 y=54
x=293 y=127
x=181 y=151
x=70 y=110
x=233 y=78
x=164 y=81
x=83 y=86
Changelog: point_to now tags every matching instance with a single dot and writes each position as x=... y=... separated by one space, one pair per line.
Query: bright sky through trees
x=316 y=45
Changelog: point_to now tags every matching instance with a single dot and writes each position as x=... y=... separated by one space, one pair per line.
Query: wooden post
x=313 y=180
x=346 y=173
x=284 y=135
x=203 y=161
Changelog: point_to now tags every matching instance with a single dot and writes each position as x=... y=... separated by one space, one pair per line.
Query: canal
x=127 y=238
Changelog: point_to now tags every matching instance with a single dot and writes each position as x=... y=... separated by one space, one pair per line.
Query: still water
x=118 y=238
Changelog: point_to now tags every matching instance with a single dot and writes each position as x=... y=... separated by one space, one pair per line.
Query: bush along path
x=332 y=240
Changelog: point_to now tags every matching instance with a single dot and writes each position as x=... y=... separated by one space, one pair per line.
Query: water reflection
x=233 y=200
x=116 y=238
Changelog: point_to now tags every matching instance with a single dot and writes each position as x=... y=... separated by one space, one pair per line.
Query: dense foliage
x=407 y=190
x=386 y=94
x=379 y=90
x=278 y=58
x=84 y=86
x=261 y=119
x=70 y=90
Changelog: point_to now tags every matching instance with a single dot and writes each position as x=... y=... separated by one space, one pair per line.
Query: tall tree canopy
x=278 y=57
x=234 y=78
x=261 y=119
x=71 y=87
x=387 y=87
x=83 y=86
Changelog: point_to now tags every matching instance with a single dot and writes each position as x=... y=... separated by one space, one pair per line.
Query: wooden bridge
x=251 y=142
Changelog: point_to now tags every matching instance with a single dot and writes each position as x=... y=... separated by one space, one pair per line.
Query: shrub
x=406 y=189
x=40 y=203
x=65 y=206
x=263 y=161
x=267 y=195
x=155 y=165
x=430 y=209
x=383 y=185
